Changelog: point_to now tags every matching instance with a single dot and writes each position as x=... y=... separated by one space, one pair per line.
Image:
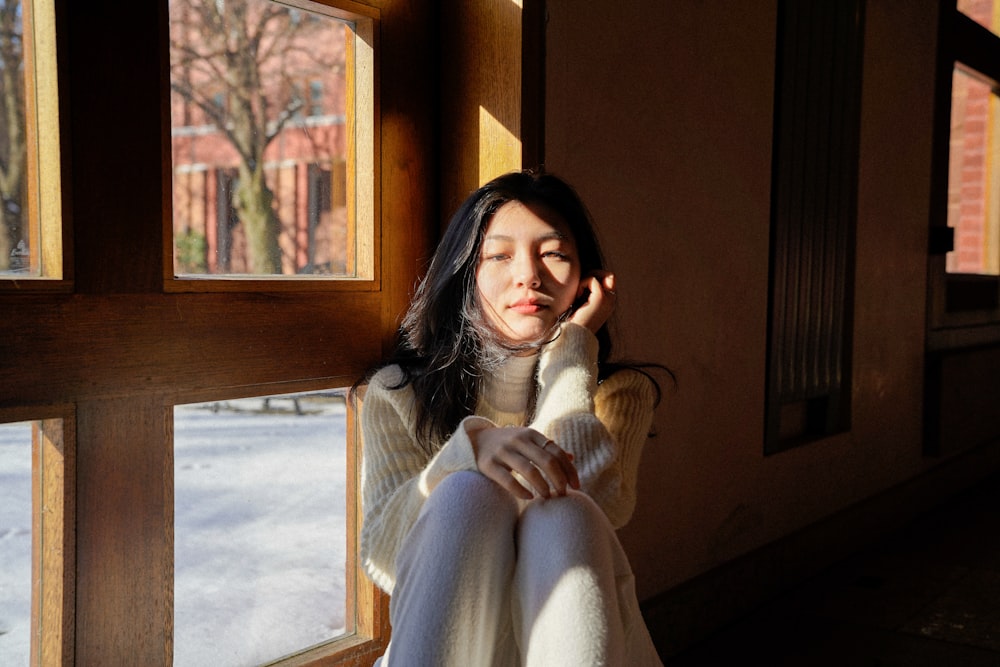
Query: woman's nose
x=527 y=272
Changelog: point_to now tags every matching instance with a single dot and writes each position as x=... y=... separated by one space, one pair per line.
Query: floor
x=927 y=596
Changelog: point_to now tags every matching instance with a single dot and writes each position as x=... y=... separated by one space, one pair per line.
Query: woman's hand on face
x=541 y=462
x=595 y=311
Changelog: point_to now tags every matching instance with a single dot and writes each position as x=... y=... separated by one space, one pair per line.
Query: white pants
x=484 y=580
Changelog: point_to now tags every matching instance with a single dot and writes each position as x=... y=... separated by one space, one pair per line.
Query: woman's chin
x=529 y=336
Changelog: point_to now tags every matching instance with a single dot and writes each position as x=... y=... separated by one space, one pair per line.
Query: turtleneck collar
x=509 y=386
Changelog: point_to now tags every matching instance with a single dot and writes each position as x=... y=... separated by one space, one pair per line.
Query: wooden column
x=491 y=102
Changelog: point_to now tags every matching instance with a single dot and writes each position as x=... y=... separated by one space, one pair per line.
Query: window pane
x=30 y=194
x=15 y=232
x=974 y=176
x=984 y=12
x=260 y=141
x=15 y=543
x=259 y=528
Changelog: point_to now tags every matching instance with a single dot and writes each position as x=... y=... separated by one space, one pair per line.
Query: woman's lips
x=528 y=307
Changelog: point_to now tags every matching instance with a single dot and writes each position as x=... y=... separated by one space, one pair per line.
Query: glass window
x=35 y=548
x=260 y=531
x=30 y=233
x=15 y=241
x=265 y=141
x=974 y=175
x=15 y=543
x=984 y=12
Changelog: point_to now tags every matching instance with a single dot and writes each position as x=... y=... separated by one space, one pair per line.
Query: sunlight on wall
x=499 y=148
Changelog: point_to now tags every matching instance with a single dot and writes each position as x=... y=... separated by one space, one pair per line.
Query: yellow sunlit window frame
x=44 y=183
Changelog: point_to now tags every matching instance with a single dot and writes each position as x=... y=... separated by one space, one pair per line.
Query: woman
x=501 y=449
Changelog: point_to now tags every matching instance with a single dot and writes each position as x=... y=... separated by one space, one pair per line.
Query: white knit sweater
x=604 y=427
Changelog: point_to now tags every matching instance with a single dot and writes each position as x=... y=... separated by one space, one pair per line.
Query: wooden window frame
x=48 y=235
x=119 y=347
x=53 y=472
x=363 y=126
x=367 y=623
x=963 y=309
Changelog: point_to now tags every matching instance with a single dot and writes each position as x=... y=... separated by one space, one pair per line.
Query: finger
x=595 y=282
x=541 y=463
x=531 y=473
x=557 y=465
x=608 y=283
x=598 y=308
x=497 y=451
x=565 y=461
x=601 y=282
x=517 y=455
x=502 y=476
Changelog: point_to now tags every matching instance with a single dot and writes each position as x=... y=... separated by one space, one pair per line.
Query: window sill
x=958 y=337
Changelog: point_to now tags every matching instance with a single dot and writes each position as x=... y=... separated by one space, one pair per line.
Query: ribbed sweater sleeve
x=397 y=475
x=604 y=426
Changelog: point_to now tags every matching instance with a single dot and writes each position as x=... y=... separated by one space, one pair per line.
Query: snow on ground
x=259 y=532
x=15 y=543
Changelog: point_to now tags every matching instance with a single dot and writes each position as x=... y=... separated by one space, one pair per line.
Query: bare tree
x=13 y=150
x=233 y=60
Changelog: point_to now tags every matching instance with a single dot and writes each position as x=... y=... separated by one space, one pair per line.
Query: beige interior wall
x=661 y=114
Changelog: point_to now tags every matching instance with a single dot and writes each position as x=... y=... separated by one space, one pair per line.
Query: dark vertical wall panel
x=817 y=118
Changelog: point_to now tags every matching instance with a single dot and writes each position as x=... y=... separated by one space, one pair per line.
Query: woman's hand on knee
x=539 y=461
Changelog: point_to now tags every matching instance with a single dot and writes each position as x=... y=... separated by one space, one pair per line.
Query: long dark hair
x=445 y=344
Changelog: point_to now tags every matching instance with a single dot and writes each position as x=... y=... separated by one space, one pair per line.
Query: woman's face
x=528 y=273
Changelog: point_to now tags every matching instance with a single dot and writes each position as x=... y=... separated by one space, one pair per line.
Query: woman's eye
x=499 y=257
x=555 y=254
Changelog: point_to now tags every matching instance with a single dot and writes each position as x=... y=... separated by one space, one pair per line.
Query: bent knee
x=575 y=511
x=467 y=494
